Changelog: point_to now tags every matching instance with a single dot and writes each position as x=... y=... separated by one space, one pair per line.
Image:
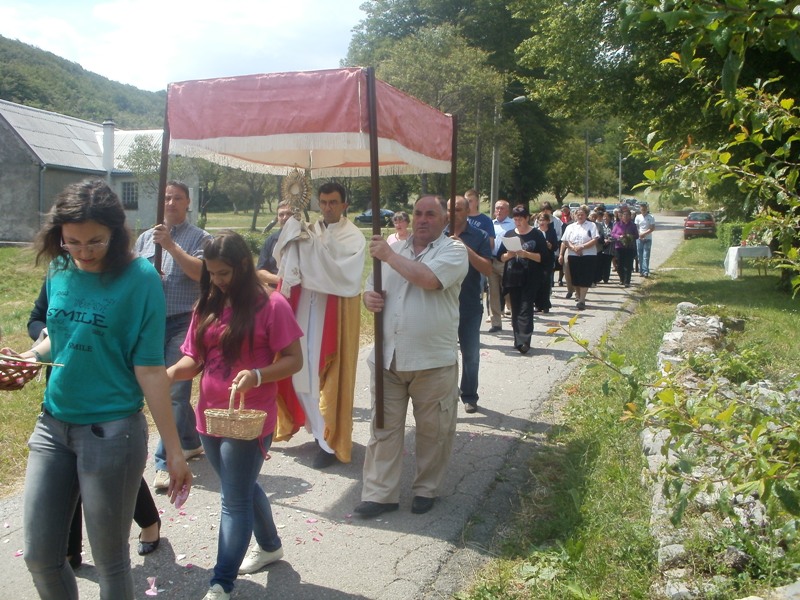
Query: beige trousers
x=434 y=398
x=495 y=283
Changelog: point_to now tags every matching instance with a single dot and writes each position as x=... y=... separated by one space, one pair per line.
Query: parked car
x=366 y=217
x=699 y=223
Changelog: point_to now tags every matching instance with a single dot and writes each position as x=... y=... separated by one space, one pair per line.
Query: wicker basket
x=239 y=424
x=15 y=374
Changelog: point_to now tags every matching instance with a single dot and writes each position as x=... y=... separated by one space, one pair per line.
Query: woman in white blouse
x=579 y=240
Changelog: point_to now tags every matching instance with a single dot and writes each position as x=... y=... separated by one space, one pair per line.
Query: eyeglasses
x=92 y=247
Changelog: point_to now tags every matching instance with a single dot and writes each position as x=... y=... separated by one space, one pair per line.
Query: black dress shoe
x=421 y=504
x=495 y=328
x=367 y=509
x=568 y=295
x=145 y=548
x=523 y=348
x=323 y=459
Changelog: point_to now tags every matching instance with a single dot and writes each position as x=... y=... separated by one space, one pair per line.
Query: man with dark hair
x=320 y=266
x=267 y=266
x=470 y=308
x=421 y=281
x=477 y=218
x=182 y=263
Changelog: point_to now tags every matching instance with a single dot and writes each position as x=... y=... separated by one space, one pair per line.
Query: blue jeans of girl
x=245 y=507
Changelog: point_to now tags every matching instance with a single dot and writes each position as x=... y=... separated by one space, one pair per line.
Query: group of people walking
x=580 y=245
x=282 y=334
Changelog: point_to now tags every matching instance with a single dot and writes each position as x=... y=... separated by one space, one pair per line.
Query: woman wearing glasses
x=105 y=321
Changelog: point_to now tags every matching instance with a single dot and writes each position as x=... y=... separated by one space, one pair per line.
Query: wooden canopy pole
x=162 y=181
x=453 y=176
x=377 y=280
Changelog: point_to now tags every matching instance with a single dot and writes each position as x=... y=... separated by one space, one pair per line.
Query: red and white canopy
x=312 y=120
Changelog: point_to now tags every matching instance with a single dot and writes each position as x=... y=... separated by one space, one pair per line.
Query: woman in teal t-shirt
x=105 y=322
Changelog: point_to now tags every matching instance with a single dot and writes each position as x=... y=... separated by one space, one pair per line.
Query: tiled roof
x=62 y=141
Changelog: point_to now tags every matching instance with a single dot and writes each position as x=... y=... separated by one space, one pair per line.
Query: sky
x=150 y=43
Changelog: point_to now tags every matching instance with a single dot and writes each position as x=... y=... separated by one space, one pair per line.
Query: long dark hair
x=89 y=200
x=245 y=293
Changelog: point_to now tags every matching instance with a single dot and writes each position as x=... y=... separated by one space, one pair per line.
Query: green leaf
x=730 y=73
x=793 y=45
x=725 y=416
x=666 y=396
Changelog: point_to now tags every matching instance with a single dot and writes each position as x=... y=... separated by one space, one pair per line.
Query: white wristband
x=258 y=377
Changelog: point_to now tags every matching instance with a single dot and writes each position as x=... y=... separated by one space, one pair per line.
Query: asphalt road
x=329 y=554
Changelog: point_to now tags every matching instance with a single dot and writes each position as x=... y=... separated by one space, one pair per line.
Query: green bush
x=254 y=239
x=730 y=233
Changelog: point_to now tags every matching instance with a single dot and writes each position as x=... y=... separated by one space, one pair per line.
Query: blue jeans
x=245 y=506
x=469 y=338
x=104 y=463
x=180 y=392
x=643 y=248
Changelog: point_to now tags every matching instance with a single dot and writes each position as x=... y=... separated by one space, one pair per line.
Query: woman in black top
x=523 y=274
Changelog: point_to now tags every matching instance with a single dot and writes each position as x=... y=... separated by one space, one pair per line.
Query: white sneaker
x=258 y=558
x=187 y=454
x=161 y=481
x=215 y=592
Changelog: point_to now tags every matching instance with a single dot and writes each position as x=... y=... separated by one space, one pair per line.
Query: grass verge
x=581 y=529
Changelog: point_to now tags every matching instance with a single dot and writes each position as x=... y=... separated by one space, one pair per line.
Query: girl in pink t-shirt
x=238 y=329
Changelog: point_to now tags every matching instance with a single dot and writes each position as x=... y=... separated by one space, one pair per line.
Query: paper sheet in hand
x=512 y=244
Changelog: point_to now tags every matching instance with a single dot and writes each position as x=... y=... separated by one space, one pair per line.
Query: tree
x=565 y=173
x=143 y=159
x=760 y=148
x=492 y=27
x=253 y=188
x=437 y=66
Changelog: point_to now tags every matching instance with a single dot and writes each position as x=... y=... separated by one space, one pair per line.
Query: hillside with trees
x=40 y=79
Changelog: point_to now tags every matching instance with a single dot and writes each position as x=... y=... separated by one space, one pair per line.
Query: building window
x=130 y=195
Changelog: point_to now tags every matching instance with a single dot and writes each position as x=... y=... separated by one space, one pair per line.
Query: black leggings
x=145 y=514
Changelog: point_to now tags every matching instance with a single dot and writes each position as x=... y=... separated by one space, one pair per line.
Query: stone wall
x=693 y=332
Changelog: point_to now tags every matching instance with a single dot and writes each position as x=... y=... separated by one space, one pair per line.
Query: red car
x=699 y=223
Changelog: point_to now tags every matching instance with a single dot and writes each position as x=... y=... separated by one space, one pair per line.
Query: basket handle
x=232 y=401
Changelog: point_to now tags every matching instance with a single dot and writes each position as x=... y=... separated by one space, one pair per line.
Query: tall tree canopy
x=490 y=27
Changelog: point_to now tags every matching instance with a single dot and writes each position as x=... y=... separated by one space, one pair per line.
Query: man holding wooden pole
x=422 y=281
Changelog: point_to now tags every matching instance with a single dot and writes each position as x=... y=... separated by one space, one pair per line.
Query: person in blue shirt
x=470 y=308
